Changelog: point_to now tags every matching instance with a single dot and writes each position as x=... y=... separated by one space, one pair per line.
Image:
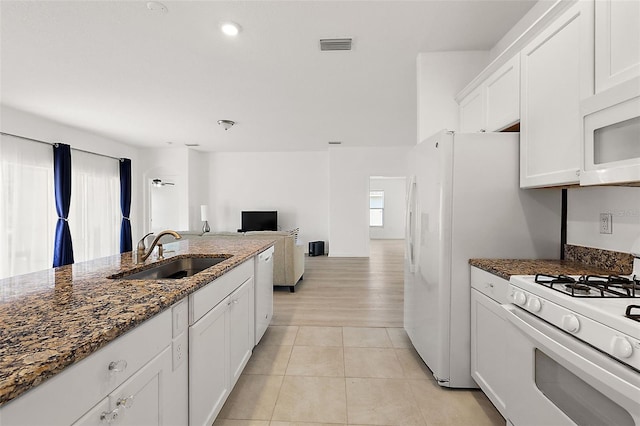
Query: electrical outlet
x=179 y=349
x=606 y=224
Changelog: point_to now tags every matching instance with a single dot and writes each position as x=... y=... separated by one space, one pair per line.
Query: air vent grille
x=335 y=44
x=335 y=143
x=191 y=144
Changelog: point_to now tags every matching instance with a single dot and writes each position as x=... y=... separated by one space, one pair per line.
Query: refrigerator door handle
x=410 y=237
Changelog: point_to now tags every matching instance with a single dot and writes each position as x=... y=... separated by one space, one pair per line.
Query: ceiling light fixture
x=159 y=183
x=226 y=124
x=156 y=6
x=230 y=28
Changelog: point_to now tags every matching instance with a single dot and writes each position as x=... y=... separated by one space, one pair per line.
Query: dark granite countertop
x=579 y=260
x=504 y=268
x=56 y=317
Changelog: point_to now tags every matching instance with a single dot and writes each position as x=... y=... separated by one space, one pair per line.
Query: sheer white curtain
x=27 y=206
x=94 y=215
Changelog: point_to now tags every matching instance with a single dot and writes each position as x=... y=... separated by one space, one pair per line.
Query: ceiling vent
x=191 y=144
x=335 y=44
x=335 y=143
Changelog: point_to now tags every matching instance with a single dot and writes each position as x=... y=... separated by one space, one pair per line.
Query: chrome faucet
x=141 y=252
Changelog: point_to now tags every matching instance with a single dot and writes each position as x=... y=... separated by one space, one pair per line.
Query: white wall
x=395 y=193
x=349 y=172
x=167 y=164
x=441 y=75
x=293 y=183
x=198 y=183
x=584 y=206
x=32 y=126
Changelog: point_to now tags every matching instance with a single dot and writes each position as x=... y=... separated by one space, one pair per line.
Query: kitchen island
x=54 y=318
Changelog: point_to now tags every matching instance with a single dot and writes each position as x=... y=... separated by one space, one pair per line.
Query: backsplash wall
x=584 y=206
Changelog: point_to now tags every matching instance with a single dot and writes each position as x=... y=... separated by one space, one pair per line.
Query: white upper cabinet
x=617 y=42
x=556 y=73
x=472 y=117
x=495 y=104
x=502 y=96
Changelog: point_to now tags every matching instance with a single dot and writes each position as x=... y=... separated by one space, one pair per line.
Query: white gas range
x=574 y=350
x=592 y=308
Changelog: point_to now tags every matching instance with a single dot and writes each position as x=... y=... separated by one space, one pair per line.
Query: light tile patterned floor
x=346 y=376
x=337 y=355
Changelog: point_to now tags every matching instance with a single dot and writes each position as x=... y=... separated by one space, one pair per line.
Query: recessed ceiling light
x=230 y=28
x=156 y=6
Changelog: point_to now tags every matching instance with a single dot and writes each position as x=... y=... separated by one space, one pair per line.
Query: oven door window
x=581 y=402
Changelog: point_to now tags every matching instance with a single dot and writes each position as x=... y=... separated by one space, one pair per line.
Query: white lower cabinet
x=138 y=401
x=241 y=327
x=220 y=342
x=488 y=341
x=209 y=365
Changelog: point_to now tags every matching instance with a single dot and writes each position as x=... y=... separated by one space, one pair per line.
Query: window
x=27 y=206
x=94 y=213
x=376 y=208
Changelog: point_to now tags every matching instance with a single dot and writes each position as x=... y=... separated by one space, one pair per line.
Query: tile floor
x=317 y=375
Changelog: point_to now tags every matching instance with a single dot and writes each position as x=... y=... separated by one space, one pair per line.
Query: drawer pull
x=118 y=366
x=109 y=417
x=125 y=402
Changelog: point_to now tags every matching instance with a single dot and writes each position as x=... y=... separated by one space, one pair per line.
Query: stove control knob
x=621 y=347
x=534 y=304
x=570 y=323
x=519 y=298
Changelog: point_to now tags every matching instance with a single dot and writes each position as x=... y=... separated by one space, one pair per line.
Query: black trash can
x=316 y=248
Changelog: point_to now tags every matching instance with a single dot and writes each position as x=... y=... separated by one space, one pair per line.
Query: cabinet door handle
x=126 y=402
x=109 y=417
x=118 y=366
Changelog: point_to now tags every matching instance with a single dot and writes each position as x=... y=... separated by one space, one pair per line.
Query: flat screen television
x=259 y=221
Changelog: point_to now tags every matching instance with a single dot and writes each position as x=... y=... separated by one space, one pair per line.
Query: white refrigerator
x=464 y=201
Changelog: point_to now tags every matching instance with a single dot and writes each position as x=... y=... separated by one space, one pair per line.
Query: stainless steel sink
x=175 y=269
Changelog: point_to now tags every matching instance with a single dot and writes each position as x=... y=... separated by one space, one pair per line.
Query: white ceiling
x=148 y=78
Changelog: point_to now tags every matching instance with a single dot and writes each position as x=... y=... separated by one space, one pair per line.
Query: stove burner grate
x=628 y=314
x=578 y=288
x=591 y=285
x=553 y=279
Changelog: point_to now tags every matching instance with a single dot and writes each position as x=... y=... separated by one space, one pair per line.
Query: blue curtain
x=125 y=205
x=63 y=248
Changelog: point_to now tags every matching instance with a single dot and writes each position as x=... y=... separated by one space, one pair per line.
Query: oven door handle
x=587 y=363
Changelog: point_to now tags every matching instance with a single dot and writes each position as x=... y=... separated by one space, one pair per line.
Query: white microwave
x=611 y=136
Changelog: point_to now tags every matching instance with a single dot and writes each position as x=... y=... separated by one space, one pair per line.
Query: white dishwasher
x=263 y=292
